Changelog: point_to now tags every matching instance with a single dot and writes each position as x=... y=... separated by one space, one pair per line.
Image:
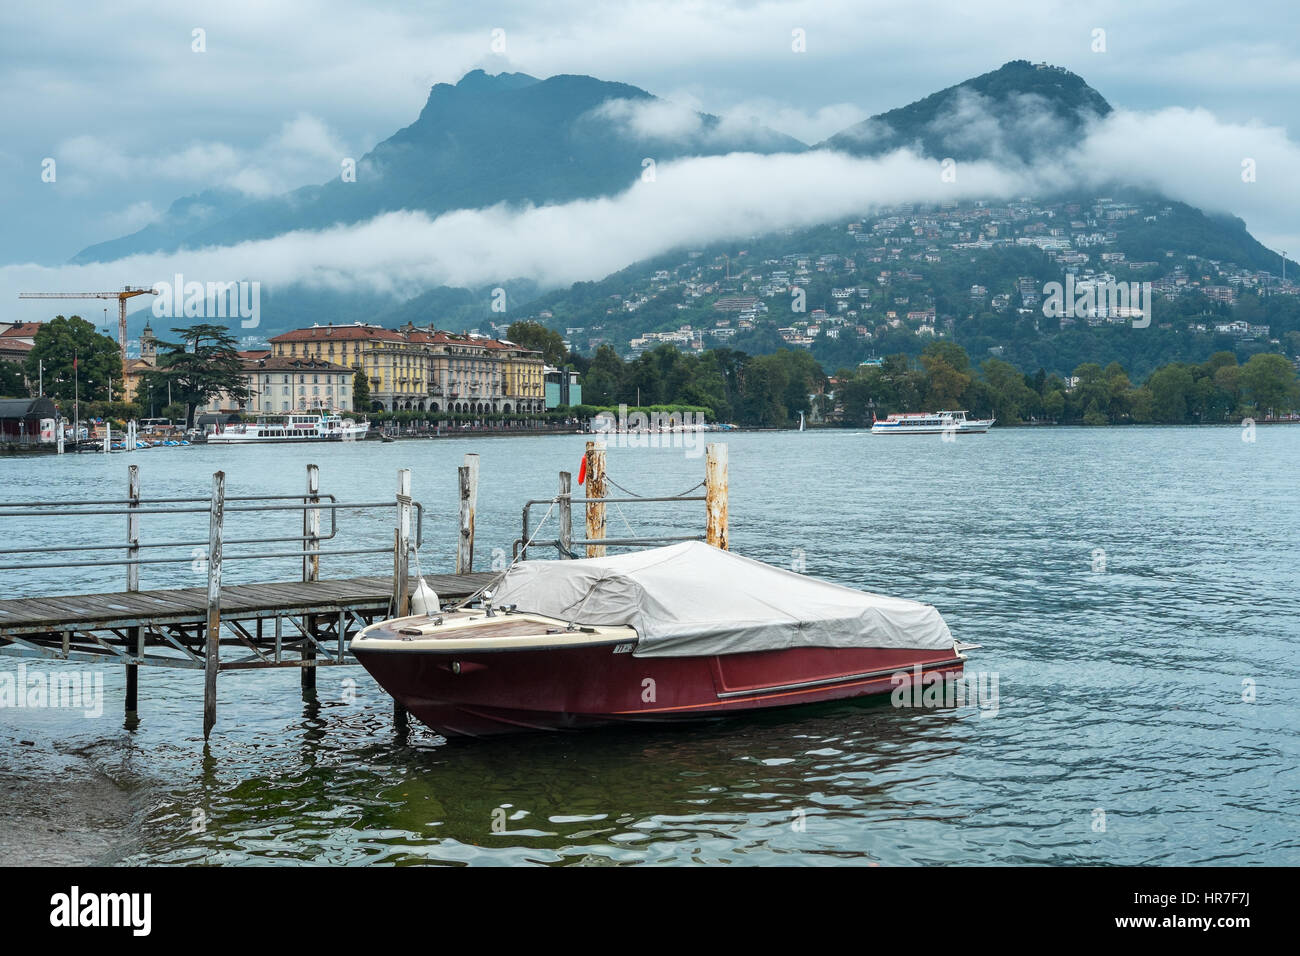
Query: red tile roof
x=342 y=333
x=409 y=334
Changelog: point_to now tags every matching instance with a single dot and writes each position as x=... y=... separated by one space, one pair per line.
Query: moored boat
x=290 y=428
x=681 y=633
x=931 y=423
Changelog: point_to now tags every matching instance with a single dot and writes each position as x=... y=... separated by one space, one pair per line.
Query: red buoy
x=582 y=470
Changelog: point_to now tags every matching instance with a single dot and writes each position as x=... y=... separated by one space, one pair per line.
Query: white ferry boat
x=289 y=428
x=931 y=423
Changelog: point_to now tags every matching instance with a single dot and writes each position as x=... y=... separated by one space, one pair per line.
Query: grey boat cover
x=692 y=599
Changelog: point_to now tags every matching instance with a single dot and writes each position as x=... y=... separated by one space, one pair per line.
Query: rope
x=513 y=561
x=633 y=494
x=631 y=532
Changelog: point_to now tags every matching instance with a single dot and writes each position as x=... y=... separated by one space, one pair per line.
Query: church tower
x=148 y=346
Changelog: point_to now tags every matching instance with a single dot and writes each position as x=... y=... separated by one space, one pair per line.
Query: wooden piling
x=310 y=571
x=595 y=489
x=402 y=545
x=468 y=474
x=565 y=499
x=715 y=495
x=133 y=584
x=211 y=661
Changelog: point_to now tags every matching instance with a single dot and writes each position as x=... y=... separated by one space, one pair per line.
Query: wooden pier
x=270 y=621
x=305 y=624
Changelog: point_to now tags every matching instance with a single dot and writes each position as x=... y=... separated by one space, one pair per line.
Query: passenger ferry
x=931 y=423
x=288 y=428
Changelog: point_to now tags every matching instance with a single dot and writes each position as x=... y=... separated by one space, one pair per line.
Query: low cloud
x=1185 y=154
x=692 y=201
x=659 y=121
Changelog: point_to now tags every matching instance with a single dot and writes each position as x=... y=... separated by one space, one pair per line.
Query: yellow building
x=380 y=353
x=525 y=384
x=427 y=369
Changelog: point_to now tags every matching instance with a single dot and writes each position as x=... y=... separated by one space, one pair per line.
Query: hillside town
x=896 y=272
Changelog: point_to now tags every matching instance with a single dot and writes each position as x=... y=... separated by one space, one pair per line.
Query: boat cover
x=692 y=599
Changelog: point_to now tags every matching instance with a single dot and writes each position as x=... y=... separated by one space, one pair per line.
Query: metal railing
x=565 y=544
x=310 y=504
x=595 y=540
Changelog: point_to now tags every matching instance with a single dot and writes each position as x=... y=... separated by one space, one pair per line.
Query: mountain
x=185 y=216
x=487 y=139
x=1013 y=113
x=517 y=139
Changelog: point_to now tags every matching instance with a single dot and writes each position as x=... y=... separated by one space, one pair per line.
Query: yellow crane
x=128 y=292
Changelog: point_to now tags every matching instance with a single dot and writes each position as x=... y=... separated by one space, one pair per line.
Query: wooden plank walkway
x=48 y=613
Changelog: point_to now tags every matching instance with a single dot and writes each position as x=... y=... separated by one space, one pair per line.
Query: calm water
x=1121 y=689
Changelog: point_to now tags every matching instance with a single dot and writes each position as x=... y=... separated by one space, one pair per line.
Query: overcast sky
x=135 y=118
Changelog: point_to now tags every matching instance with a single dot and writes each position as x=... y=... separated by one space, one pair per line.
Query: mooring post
x=211 y=659
x=310 y=571
x=133 y=584
x=565 y=499
x=402 y=545
x=715 y=495
x=108 y=438
x=595 y=489
x=468 y=474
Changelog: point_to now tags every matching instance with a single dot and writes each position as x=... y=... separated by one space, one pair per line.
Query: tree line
x=72 y=361
x=772 y=390
x=758 y=391
x=1217 y=390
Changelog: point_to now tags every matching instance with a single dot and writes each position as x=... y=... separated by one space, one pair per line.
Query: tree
x=1170 y=388
x=604 y=379
x=64 y=342
x=1270 y=381
x=360 y=389
x=946 y=365
x=1054 y=404
x=1008 y=392
x=763 y=388
x=12 y=382
x=201 y=366
x=535 y=336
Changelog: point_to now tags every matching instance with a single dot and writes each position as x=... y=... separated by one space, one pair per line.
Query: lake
x=1134 y=591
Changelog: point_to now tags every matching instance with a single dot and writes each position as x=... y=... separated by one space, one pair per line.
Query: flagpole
x=76 y=403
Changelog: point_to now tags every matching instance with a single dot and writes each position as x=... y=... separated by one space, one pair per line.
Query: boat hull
x=964 y=428
x=483 y=693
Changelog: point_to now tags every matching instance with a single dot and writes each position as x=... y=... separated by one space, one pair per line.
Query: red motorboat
x=682 y=633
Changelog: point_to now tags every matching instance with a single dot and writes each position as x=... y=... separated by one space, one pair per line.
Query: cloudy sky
x=135 y=118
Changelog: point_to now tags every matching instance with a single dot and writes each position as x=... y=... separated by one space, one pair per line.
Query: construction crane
x=128 y=292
